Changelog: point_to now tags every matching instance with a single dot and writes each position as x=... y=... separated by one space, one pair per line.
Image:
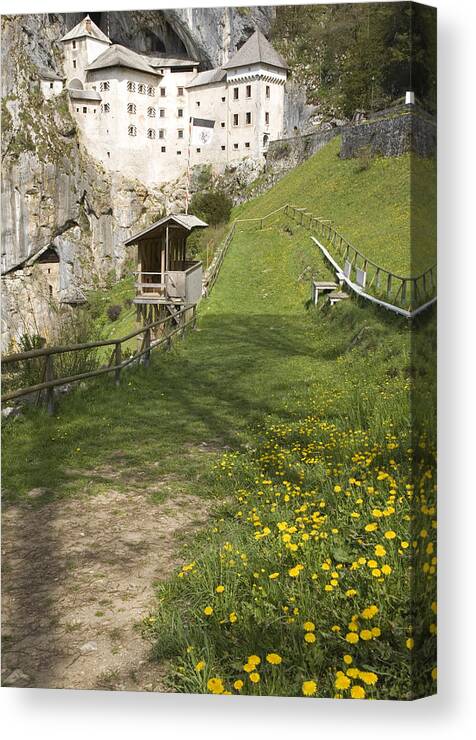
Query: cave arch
x=76 y=84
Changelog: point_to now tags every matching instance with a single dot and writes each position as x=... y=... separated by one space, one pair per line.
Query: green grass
x=371 y=208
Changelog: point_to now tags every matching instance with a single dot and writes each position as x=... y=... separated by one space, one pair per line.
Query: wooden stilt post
x=147 y=347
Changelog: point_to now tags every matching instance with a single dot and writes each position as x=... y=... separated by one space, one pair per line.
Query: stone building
x=136 y=111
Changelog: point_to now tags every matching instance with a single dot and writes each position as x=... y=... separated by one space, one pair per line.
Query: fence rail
x=116 y=362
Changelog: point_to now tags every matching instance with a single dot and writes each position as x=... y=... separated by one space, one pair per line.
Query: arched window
x=142 y=88
x=131 y=108
x=132 y=131
x=151 y=112
x=105 y=108
x=131 y=86
x=103 y=86
x=151 y=133
x=151 y=91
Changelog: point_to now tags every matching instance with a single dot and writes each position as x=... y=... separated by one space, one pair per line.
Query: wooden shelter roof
x=185 y=220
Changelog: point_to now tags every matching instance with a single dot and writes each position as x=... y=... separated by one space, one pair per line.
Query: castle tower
x=82 y=45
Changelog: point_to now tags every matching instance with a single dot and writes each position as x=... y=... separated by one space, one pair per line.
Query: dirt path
x=78 y=577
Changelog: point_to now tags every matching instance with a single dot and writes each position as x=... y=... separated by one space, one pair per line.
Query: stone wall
x=285 y=154
x=391 y=133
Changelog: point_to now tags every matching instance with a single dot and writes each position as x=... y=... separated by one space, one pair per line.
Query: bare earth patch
x=78 y=577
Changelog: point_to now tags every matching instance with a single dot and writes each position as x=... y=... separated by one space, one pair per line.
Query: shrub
x=113 y=312
x=213 y=206
x=364 y=158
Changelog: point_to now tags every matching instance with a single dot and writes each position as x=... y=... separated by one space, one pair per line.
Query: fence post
x=117 y=362
x=147 y=347
x=50 y=392
x=194 y=316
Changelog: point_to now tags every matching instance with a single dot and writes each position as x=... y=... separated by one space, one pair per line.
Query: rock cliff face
x=53 y=192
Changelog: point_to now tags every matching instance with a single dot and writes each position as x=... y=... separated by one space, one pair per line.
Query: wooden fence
x=49 y=381
x=404 y=292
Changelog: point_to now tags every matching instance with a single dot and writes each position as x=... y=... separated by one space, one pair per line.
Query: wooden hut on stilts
x=167 y=279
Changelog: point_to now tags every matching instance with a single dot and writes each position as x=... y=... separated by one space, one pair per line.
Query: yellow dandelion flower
x=309 y=626
x=220 y=589
x=310 y=637
x=341 y=682
x=238 y=685
x=200 y=666
x=371 y=527
x=273 y=576
x=353 y=672
x=347 y=659
x=366 y=635
x=309 y=688
x=380 y=551
x=352 y=637
x=390 y=534
x=376 y=631
x=357 y=692
x=368 y=677
x=410 y=643
x=232 y=617
x=215 y=685
x=254 y=677
x=386 y=570
x=208 y=610
x=254 y=659
x=274 y=658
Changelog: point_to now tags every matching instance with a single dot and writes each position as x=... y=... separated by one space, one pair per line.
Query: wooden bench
x=321 y=287
x=337 y=295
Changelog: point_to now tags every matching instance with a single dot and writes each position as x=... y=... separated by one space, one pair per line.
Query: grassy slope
x=371 y=208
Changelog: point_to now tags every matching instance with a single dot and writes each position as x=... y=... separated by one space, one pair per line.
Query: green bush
x=213 y=206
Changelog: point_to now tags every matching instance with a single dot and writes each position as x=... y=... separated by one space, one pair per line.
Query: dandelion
x=215 y=685
x=390 y=534
x=357 y=692
x=352 y=637
x=368 y=677
x=410 y=643
x=232 y=617
x=274 y=658
x=220 y=589
x=273 y=576
x=310 y=637
x=347 y=659
x=380 y=551
x=309 y=626
x=366 y=635
x=341 y=682
x=208 y=610
x=309 y=688
x=238 y=685
x=200 y=666
x=254 y=677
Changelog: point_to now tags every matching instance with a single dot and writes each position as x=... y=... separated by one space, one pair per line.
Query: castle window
x=131 y=108
x=151 y=133
x=51 y=85
x=104 y=85
x=268 y=91
x=223 y=100
x=162 y=149
x=179 y=152
x=74 y=63
x=162 y=112
x=161 y=133
x=180 y=91
x=180 y=133
x=197 y=104
x=85 y=110
x=248 y=118
x=77 y=110
x=248 y=91
x=180 y=112
x=132 y=131
x=198 y=150
x=266 y=118
x=151 y=91
x=223 y=147
x=162 y=92
x=247 y=145
x=131 y=86
x=222 y=124
x=151 y=112
x=50 y=289
x=142 y=89
x=235 y=146
x=74 y=44
x=106 y=108
x=236 y=119
x=235 y=93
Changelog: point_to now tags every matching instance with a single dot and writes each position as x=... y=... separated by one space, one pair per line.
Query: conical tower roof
x=86 y=27
x=256 y=49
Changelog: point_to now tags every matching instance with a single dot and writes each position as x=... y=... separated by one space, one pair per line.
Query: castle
x=151 y=117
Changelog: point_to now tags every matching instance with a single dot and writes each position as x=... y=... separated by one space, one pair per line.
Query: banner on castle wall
x=201 y=131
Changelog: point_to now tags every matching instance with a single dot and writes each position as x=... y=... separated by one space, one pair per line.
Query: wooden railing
x=406 y=292
x=49 y=381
